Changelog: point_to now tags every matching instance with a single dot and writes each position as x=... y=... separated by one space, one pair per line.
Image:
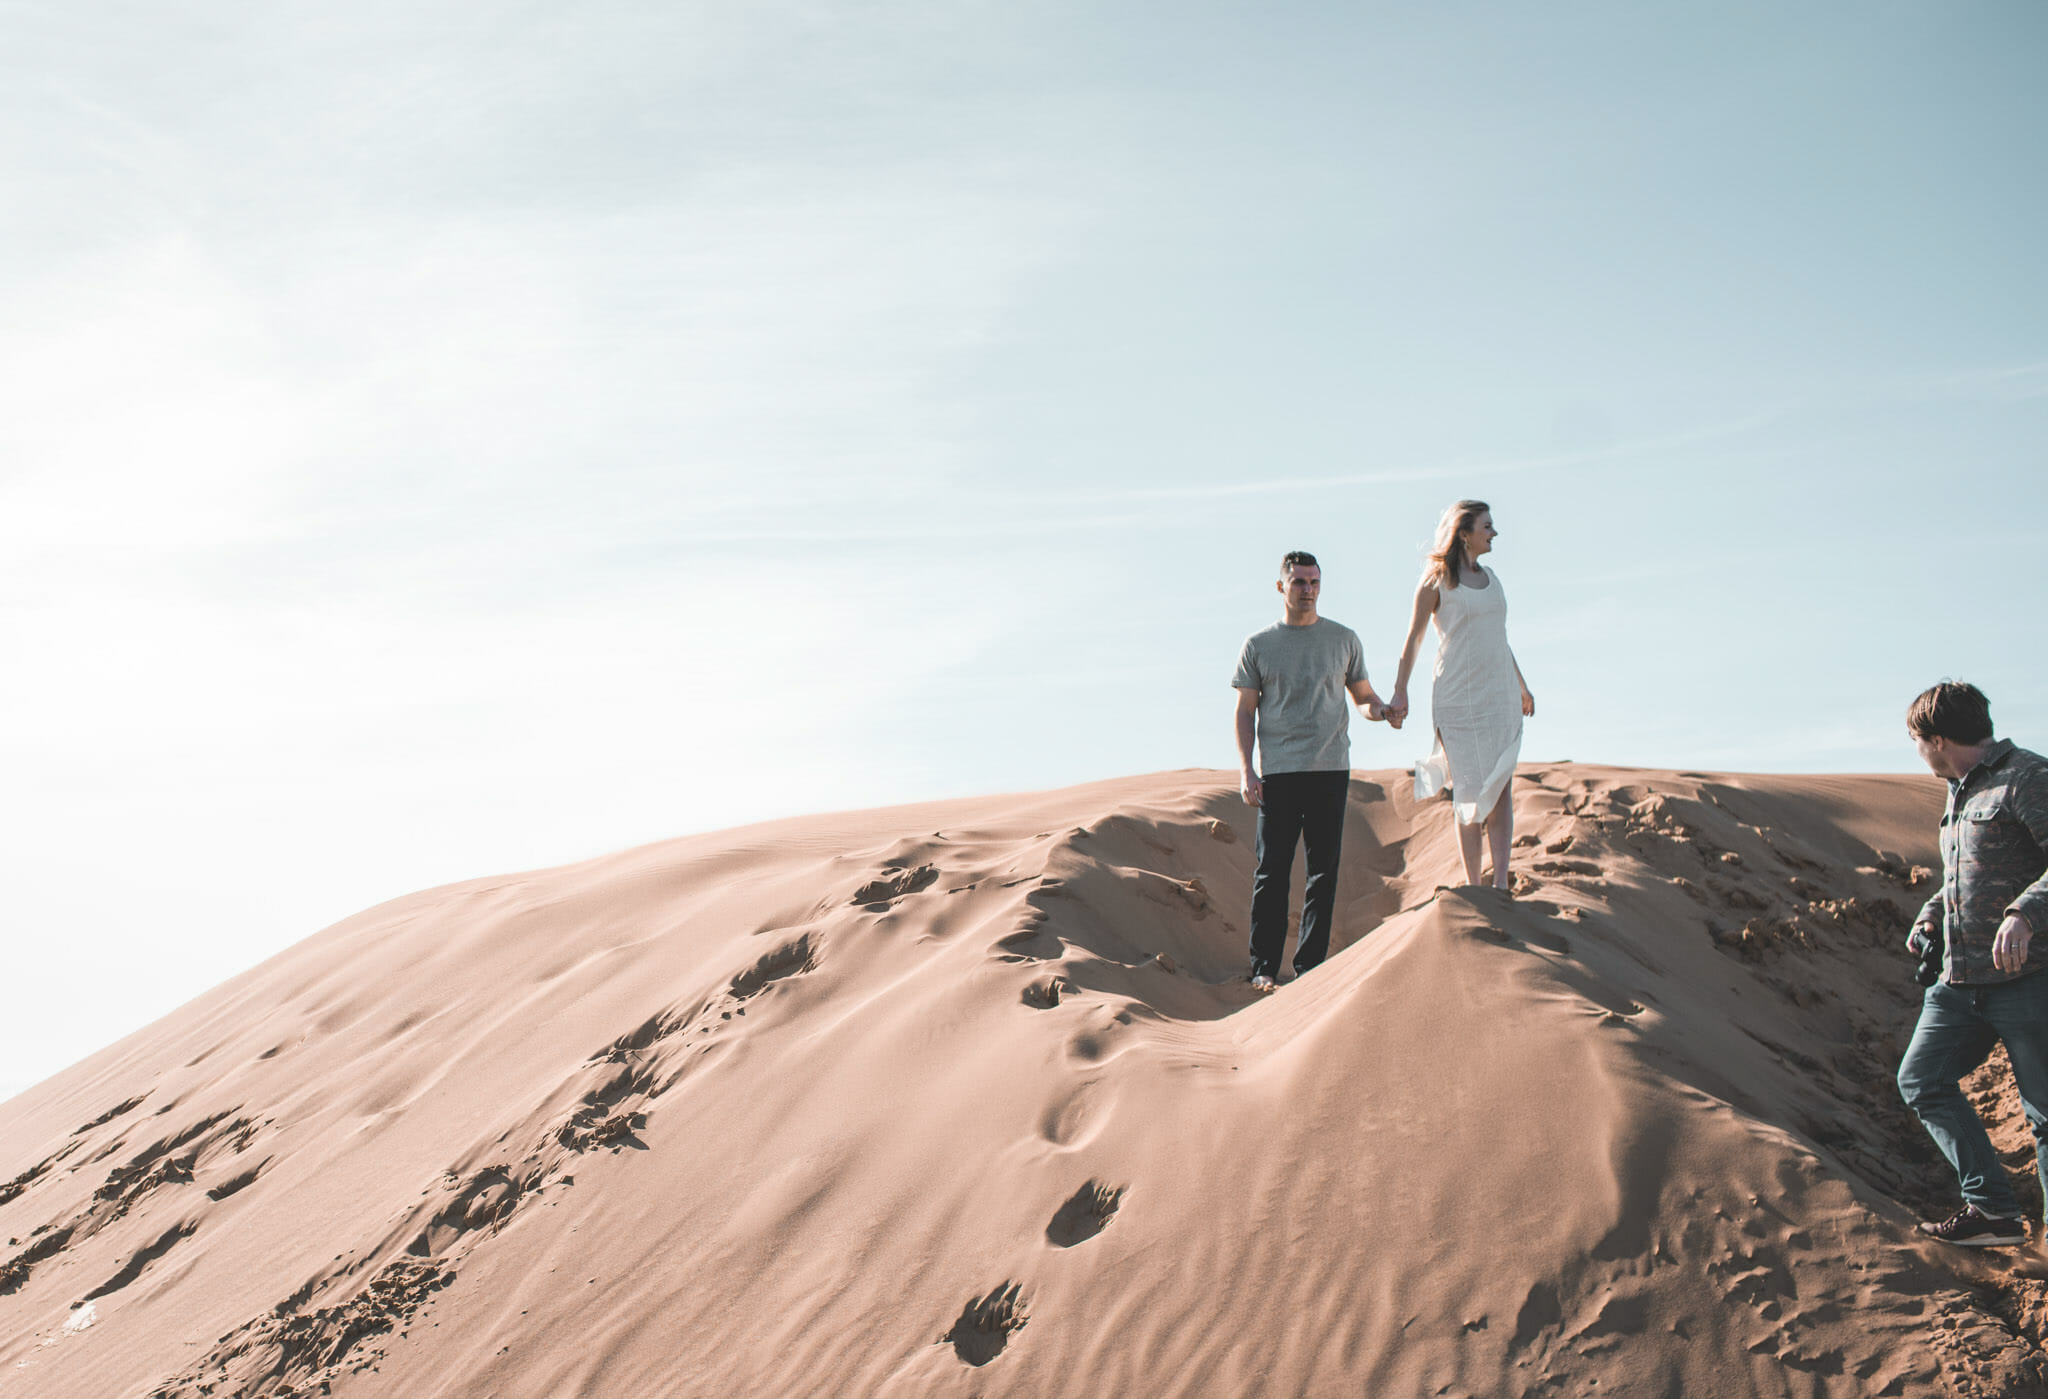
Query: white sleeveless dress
x=1476 y=703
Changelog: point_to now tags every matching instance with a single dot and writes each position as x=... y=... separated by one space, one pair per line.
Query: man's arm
x=1248 y=785
x=1367 y=699
x=2030 y=805
x=2029 y=908
x=1928 y=921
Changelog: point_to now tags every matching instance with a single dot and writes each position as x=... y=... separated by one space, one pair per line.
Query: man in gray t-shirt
x=1293 y=680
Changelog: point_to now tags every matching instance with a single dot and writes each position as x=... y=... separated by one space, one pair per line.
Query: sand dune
x=971 y=1099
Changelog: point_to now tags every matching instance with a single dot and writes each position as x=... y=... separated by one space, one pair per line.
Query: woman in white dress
x=1479 y=699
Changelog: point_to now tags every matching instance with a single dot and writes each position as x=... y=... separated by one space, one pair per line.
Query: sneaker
x=1970 y=1227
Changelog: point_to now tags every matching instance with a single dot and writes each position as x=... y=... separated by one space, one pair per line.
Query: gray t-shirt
x=1304 y=711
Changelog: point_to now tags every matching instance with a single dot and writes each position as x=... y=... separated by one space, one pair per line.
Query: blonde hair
x=1448 y=553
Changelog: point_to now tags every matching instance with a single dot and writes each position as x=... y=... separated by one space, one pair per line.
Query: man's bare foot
x=1264 y=985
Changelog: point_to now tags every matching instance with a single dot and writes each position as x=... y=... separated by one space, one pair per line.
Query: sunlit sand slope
x=971 y=1099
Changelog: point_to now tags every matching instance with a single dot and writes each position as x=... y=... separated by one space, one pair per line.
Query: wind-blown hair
x=1955 y=710
x=1448 y=553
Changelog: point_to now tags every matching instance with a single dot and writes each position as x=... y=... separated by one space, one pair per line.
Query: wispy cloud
x=2012 y=383
x=966 y=508
x=1619 y=453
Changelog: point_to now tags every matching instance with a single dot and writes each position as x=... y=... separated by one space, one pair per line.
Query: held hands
x=1396 y=708
x=2009 y=948
x=1528 y=705
x=1250 y=788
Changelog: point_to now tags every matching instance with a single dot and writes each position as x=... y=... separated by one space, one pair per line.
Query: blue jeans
x=1958 y=1026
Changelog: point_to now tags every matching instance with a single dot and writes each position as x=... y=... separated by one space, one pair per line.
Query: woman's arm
x=1528 y=700
x=1425 y=606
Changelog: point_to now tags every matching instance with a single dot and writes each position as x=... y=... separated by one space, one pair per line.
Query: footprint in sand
x=1086 y=1047
x=117 y=1110
x=787 y=960
x=12 y=1188
x=1544 y=938
x=1044 y=993
x=986 y=1325
x=16 y=1270
x=237 y=1183
x=880 y=892
x=143 y=1257
x=1073 y=1122
x=1085 y=1215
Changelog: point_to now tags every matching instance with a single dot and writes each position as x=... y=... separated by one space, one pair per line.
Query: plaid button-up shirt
x=1994 y=858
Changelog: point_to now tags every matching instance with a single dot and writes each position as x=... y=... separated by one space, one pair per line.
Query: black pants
x=1309 y=807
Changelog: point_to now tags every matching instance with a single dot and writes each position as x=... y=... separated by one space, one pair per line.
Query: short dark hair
x=1954 y=710
x=1297 y=558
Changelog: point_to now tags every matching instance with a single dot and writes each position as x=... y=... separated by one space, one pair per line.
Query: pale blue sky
x=445 y=438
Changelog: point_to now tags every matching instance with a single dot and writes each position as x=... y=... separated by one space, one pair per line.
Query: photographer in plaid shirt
x=1981 y=921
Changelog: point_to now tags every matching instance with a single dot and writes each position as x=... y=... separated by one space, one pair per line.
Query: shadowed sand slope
x=971 y=1099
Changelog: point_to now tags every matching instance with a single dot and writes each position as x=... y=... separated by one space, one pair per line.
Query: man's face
x=1935 y=753
x=1301 y=585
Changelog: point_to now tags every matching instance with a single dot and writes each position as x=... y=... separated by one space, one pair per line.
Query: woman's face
x=1479 y=539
